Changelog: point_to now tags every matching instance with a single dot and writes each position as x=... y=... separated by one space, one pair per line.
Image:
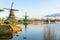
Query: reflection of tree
x=6 y=36
x=5 y=39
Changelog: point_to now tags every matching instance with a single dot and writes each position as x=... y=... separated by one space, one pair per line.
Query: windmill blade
x=12 y=5
x=15 y=10
x=6 y=8
x=10 y=9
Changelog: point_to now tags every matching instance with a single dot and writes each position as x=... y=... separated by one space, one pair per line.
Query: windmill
x=26 y=20
x=11 y=16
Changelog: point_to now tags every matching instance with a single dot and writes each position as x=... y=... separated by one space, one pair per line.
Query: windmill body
x=11 y=16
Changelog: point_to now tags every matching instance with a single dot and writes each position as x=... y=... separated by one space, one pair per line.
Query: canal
x=37 y=32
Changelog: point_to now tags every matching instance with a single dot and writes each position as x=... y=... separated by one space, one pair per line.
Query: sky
x=34 y=8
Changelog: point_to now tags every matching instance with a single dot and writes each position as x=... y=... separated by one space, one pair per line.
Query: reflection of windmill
x=49 y=36
x=11 y=15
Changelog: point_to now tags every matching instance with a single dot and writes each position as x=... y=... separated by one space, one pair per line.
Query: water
x=36 y=32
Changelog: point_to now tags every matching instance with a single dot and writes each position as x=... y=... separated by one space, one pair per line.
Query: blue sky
x=34 y=8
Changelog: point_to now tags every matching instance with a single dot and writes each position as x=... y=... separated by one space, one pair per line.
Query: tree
x=1 y=10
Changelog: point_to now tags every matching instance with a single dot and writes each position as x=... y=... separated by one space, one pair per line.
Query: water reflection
x=52 y=32
x=5 y=39
x=49 y=33
x=36 y=32
x=6 y=36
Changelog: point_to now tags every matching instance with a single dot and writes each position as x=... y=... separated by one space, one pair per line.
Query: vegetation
x=1 y=10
